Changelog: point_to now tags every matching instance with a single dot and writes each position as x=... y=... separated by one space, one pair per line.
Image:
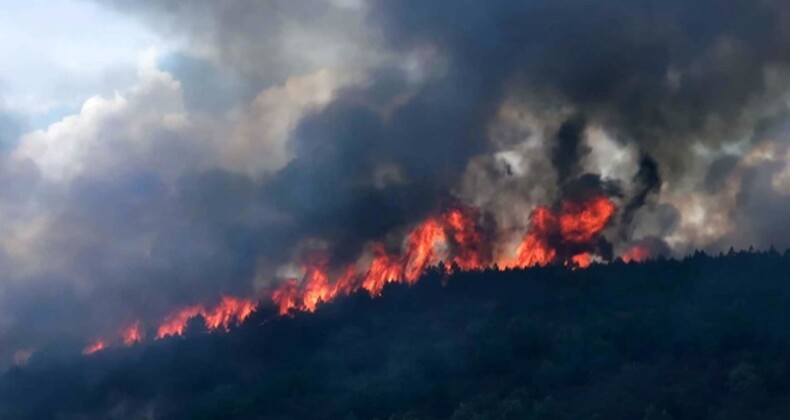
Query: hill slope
x=699 y=338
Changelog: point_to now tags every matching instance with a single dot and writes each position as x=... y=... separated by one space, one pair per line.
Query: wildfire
x=287 y=296
x=421 y=248
x=581 y=260
x=230 y=310
x=454 y=236
x=578 y=224
x=534 y=249
x=132 y=334
x=470 y=248
x=96 y=346
x=316 y=287
x=582 y=222
x=384 y=268
x=637 y=253
x=176 y=322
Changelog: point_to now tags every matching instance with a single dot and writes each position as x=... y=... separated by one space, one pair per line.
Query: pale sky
x=55 y=54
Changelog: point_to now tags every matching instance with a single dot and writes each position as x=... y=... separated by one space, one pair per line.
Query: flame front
x=534 y=249
x=470 y=248
x=552 y=236
x=455 y=236
x=384 y=268
x=421 y=248
x=132 y=334
x=229 y=311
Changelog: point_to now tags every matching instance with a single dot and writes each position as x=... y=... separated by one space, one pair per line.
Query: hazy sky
x=57 y=53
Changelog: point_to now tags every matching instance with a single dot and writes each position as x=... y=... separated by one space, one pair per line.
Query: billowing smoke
x=306 y=149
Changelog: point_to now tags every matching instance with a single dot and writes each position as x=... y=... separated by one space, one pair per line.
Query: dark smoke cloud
x=569 y=149
x=588 y=186
x=657 y=71
x=646 y=182
x=330 y=187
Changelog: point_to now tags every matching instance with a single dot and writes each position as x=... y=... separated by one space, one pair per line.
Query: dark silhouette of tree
x=705 y=337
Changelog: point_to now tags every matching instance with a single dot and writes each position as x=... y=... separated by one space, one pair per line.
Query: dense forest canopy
x=705 y=337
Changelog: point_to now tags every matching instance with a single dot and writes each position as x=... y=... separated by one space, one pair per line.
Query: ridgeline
x=705 y=337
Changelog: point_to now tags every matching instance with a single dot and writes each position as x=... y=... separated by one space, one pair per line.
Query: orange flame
x=421 y=248
x=230 y=310
x=581 y=260
x=315 y=287
x=534 y=249
x=132 y=334
x=581 y=222
x=97 y=346
x=384 y=268
x=637 y=253
x=286 y=297
x=453 y=236
x=346 y=283
x=176 y=322
x=469 y=243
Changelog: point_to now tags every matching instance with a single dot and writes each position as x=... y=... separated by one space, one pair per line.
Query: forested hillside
x=706 y=337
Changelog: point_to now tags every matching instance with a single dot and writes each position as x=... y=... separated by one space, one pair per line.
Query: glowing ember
x=637 y=253
x=97 y=346
x=132 y=334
